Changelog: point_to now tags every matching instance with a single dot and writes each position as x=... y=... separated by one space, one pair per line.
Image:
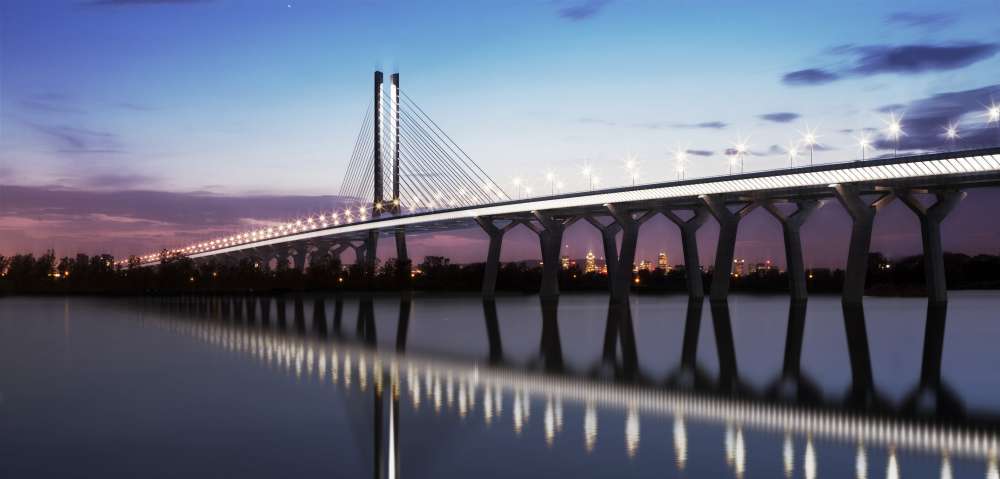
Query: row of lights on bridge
x=736 y=154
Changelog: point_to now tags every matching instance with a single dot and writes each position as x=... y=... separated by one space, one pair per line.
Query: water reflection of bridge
x=930 y=419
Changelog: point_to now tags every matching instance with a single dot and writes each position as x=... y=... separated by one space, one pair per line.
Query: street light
x=741 y=149
x=793 y=151
x=993 y=115
x=951 y=133
x=589 y=173
x=864 y=142
x=680 y=157
x=809 y=139
x=631 y=165
x=895 y=129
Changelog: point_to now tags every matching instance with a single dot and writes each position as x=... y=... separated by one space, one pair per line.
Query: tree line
x=83 y=274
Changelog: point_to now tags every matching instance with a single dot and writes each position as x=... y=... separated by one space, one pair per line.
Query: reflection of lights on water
x=590 y=427
x=549 y=421
x=729 y=444
x=347 y=370
x=518 y=418
x=680 y=442
x=498 y=402
x=437 y=393
x=334 y=365
x=809 y=461
x=487 y=406
x=740 y=459
x=463 y=405
x=414 y=390
x=278 y=352
x=946 y=467
x=632 y=432
x=892 y=468
x=861 y=463
x=428 y=382
x=450 y=390
x=321 y=368
x=559 y=414
x=362 y=373
x=788 y=454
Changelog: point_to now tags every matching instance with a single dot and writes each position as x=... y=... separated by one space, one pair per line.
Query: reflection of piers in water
x=473 y=390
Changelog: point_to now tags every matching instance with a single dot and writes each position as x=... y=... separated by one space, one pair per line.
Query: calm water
x=168 y=388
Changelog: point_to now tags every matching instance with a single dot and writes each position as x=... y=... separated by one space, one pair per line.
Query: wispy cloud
x=657 y=125
x=924 y=20
x=582 y=9
x=123 y=3
x=78 y=140
x=871 y=60
x=596 y=121
x=50 y=103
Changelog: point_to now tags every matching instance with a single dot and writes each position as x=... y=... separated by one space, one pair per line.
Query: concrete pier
x=791 y=224
x=930 y=234
x=729 y=222
x=689 y=243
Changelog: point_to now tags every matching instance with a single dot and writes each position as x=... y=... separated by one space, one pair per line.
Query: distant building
x=739 y=267
x=763 y=268
x=645 y=265
x=591 y=264
x=662 y=261
x=565 y=262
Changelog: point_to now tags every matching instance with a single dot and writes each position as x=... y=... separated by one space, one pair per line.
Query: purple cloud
x=699 y=152
x=910 y=59
x=902 y=59
x=809 y=76
x=583 y=10
x=780 y=117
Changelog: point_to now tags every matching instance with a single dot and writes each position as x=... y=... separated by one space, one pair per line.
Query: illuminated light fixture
x=894 y=126
x=793 y=151
x=863 y=142
x=809 y=138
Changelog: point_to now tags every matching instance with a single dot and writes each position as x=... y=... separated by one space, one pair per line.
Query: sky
x=126 y=125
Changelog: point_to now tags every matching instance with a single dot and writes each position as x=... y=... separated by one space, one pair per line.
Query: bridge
x=435 y=186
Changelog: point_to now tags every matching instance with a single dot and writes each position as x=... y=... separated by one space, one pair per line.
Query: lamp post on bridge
x=993 y=116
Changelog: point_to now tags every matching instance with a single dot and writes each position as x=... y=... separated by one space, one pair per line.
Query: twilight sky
x=130 y=124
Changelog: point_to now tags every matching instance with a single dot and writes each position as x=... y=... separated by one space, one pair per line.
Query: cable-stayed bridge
x=408 y=176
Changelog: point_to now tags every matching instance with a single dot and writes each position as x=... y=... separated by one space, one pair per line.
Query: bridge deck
x=954 y=170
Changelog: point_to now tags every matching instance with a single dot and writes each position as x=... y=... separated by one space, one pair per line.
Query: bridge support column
x=298 y=259
x=492 y=267
x=609 y=233
x=930 y=233
x=790 y=227
x=862 y=215
x=728 y=226
x=689 y=242
x=371 y=254
x=550 y=238
x=622 y=279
